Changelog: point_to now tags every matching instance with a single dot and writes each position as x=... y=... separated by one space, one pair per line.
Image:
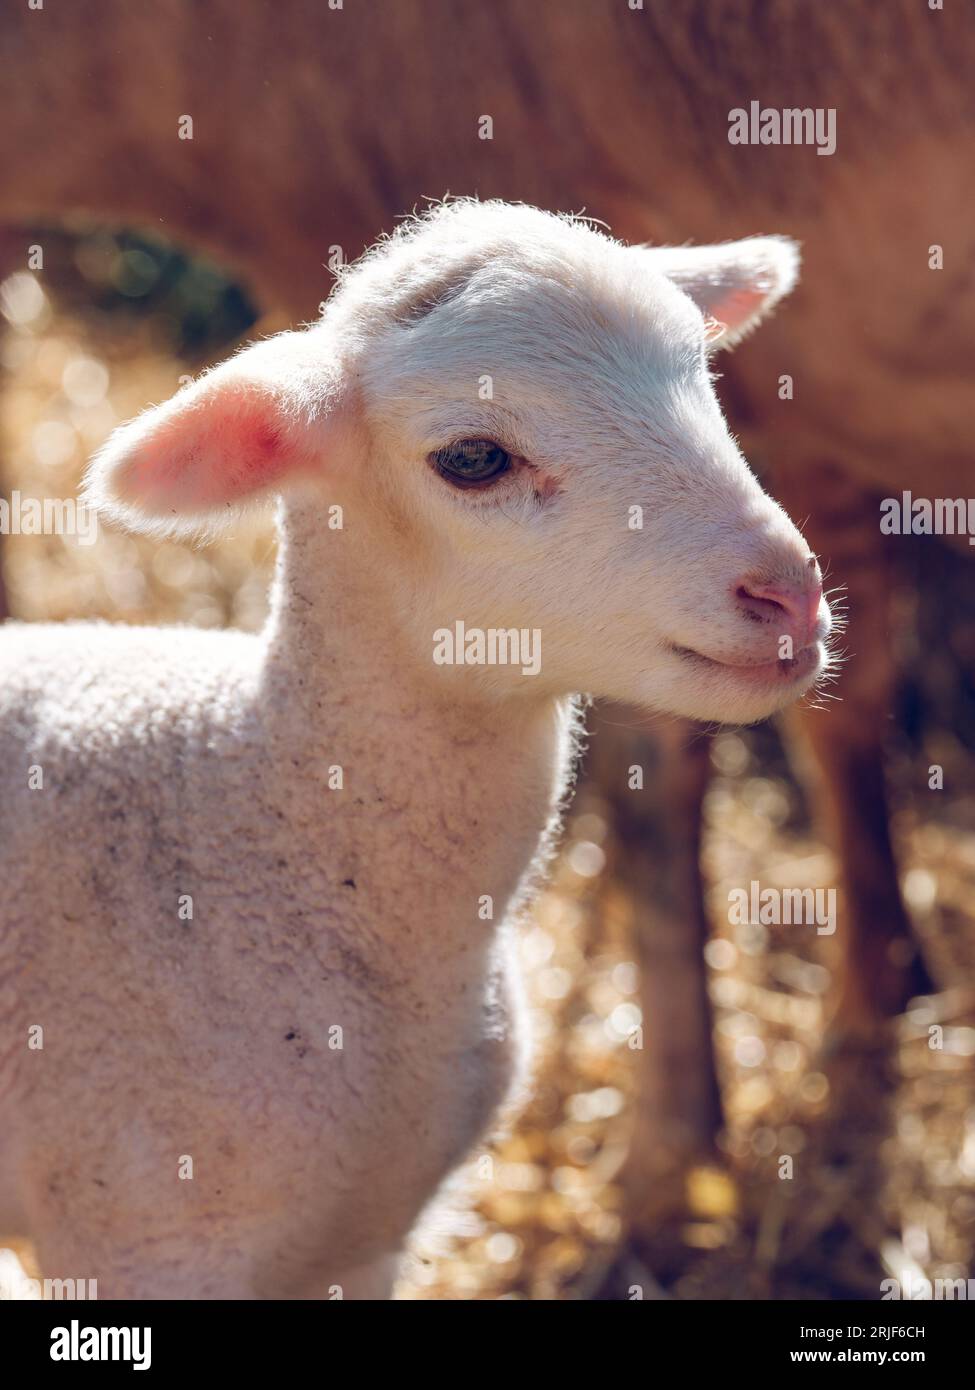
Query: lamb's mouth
x=805 y=664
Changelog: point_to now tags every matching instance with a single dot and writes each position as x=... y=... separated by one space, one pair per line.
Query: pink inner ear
x=737 y=306
x=260 y=453
x=231 y=445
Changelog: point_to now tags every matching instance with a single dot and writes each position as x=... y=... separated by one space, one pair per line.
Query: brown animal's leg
x=12 y=256
x=881 y=967
x=653 y=866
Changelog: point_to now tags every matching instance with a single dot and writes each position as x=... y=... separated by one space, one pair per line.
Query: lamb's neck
x=444 y=803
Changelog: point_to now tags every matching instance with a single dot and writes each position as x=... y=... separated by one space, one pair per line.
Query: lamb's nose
x=794 y=604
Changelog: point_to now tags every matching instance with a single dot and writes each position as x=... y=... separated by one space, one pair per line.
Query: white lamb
x=246 y=879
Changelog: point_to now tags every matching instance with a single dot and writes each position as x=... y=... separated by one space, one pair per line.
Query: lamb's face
x=518 y=414
x=549 y=438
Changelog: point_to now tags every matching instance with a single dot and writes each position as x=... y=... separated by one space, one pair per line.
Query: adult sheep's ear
x=734 y=284
x=239 y=432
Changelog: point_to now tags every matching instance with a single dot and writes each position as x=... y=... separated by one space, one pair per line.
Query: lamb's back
x=114 y=742
x=90 y=687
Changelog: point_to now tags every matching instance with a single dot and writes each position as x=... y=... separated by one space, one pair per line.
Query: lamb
x=256 y=994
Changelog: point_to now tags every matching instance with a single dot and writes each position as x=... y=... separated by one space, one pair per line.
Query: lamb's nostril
x=755 y=601
x=796 y=606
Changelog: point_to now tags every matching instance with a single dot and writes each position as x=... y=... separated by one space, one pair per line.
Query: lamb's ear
x=241 y=430
x=734 y=284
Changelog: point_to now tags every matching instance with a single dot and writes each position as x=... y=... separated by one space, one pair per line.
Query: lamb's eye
x=471 y=461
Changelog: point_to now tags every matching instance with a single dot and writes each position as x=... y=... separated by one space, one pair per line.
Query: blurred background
x=721 y=1111
x=884 y=1183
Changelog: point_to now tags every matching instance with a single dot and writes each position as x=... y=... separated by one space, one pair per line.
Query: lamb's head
x=517 y=415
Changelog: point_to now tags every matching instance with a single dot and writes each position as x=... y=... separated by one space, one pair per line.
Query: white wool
x=261 y=903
